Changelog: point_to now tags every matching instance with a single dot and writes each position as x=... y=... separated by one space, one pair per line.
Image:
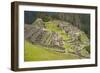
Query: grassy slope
x=39 y=53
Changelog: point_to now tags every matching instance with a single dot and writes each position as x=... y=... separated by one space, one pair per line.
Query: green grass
x=35 y=52
x=52 y=27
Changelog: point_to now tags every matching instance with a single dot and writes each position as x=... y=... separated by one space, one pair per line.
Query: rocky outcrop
x=40 y=36
x=38 y=23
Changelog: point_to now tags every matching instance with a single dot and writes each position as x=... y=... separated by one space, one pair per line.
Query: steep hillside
x=55 y=36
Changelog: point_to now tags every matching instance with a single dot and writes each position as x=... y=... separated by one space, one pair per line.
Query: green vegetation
x=53 y=27
x=83 y=38
x=35 y=52
x=41 y=51
x=46 y=18
x=87 y=48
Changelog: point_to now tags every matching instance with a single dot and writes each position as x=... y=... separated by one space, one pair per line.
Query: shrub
x=87 y=48
x=47 y=18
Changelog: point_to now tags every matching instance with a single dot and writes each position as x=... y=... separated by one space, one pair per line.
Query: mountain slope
x=34 y=52
x=55 y=36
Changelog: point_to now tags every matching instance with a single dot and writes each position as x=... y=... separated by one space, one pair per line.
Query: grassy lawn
x=35 y=52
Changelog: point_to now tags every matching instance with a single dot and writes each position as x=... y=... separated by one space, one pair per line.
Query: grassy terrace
x=40 y=53
x=52 y=26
